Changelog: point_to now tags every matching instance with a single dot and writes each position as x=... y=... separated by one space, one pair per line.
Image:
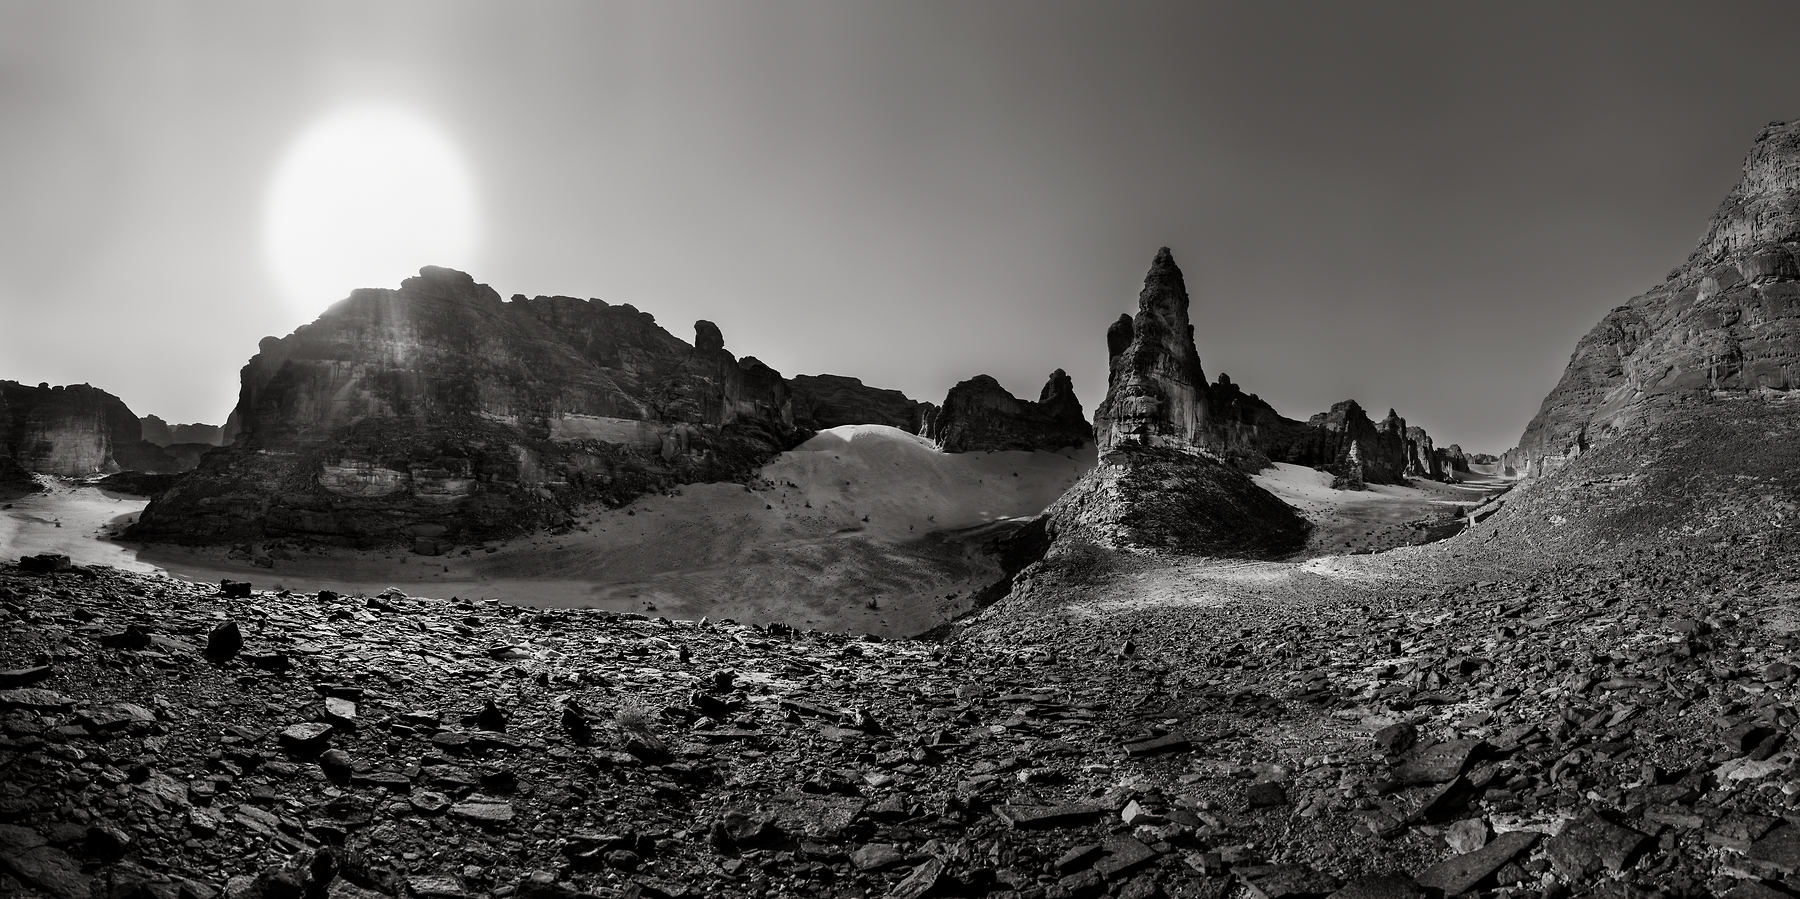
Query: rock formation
x=1166 y=500
x=1422 y=460
x=73 y=431
x=979 y=415
x=1157 y=396
x=164 y=434
x=1725 y=322
x=1155 y=391
x=828 y=401
x=438 y=411
x=1453 y=461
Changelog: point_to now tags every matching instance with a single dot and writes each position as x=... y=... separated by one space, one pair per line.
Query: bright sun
x=363 y=199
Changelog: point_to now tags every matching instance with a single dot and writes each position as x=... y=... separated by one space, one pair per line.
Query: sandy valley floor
x=864 y=528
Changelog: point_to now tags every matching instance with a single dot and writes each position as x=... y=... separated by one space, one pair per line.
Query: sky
x=1418 y=205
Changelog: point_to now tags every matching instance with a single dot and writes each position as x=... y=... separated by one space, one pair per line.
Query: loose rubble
x=1618 y=728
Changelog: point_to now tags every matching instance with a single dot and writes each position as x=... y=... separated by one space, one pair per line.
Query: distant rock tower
x=1156 y=393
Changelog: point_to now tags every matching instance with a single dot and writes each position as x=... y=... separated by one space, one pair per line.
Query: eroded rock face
x=1156 y=393
x=828 y=401
x=73 y=431
x=1726 y=320
x=440 y=411
x=979 y=415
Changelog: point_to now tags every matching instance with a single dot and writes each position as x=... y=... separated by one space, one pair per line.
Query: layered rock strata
x=73 y=431
x=979 y=415
x=438 y=412
x=1724 y=322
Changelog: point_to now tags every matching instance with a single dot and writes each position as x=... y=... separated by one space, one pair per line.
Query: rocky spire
x=1156 y=390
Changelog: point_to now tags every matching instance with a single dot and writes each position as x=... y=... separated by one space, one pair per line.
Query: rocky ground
x=1609 y=728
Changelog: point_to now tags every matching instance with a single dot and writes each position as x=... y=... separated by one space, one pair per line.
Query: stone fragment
x=921 y=881
x=1590 y=843
x=435 y=886
x=1166 y=743
x=490 y=717
x=44 y=563
x=1778 y=849
x=1285 y=881
x=224 y=641
x=19 y=677
x=1397 y=737
x=483 y=810
x=1380 y=886
x=1438 y=763
x=1466 y=836
x=1461 y=873
x=306 y=739
x=1122 y=855
x=1263 y=795
x=231 y=589
x=36 y=699
x=1047 y=817
x=876 y=856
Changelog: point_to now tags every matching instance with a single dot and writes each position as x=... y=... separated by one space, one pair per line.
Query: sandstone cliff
x=1725 y=322
x=73 y=431
x=979 y=415
x=827 y=401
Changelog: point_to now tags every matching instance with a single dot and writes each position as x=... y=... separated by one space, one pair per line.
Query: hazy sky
x=1419 y=205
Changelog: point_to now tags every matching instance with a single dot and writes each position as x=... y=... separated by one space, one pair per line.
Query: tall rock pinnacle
x=1156 y=392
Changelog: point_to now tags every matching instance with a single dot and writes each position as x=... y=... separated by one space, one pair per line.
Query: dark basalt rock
x=979 y=415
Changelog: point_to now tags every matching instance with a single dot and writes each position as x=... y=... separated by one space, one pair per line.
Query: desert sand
x=1380 y=517
x=863 y=528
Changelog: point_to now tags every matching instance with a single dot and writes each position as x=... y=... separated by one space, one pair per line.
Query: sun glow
x=364 y=198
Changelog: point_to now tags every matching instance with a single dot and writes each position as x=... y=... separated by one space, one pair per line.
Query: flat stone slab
x=815 y=816
x=309 y=737
x=484 y=810
x=1778 y=849
x=1159 y=745
x=1459 y=874
x=1590 y=843
x=1123 y=854
x=1438 y=763
x=19 y=677
x=34 y=698
x=1034 y=817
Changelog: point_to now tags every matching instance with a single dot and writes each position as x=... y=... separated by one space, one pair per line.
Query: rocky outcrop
x=73 y=431
x=1165 y=500
x=1155 y=390
x=438 y=412
x=161 y=433
x=1345 y=442
x=1725 y=322
x=828 y=401
x=979 y=415
x=1422 y=459
x=1453 y=461
x=1157 y=396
